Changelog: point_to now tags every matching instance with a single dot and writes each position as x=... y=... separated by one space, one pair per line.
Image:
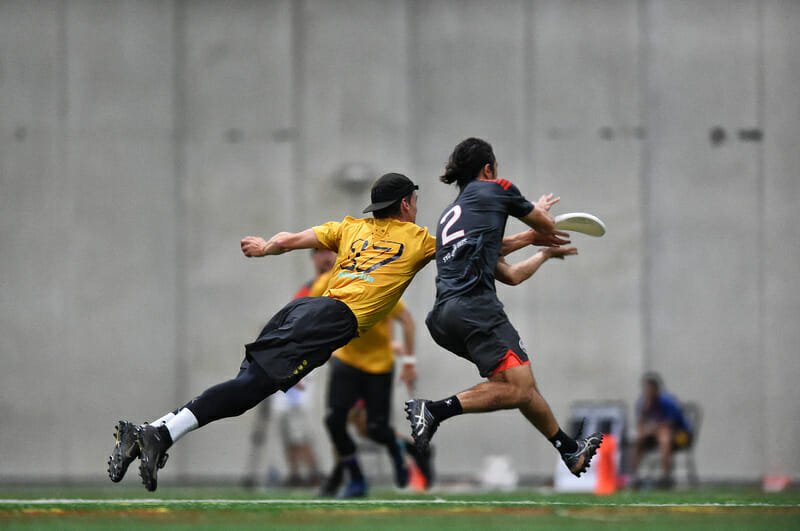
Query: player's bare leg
x=665 y=436
x=514 y=388
x=645 y=432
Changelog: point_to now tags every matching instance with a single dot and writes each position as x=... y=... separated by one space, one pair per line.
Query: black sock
x=396 y=451
x=563 y=442
x=444 y=409
x=351 y=463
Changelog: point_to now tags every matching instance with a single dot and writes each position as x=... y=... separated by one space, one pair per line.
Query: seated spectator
x=660 y=424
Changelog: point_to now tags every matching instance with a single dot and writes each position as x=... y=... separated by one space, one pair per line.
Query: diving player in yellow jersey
x=376 y=260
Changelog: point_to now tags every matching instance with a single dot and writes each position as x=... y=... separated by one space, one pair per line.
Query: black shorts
x=476 y=328
x=301 y=337
x=348 y=385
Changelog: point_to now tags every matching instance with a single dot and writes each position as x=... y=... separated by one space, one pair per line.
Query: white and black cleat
x=579 y=460
x=423 y=424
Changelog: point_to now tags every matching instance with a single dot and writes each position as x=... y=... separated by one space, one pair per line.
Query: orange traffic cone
x=416 y=481
x=606 y=466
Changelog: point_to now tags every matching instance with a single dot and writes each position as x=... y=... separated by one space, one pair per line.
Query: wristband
x=409 y=360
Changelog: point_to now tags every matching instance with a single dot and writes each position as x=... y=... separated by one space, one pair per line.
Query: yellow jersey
x=372 y=352
x=376 y=260
x=319 y=285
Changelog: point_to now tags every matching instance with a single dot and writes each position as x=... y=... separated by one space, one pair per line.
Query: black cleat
x=125 y=451
x=424 y=461
x=330 y=488
x=423 y=425
x=153 y=443
x=401 y=472
x=356 y=488
x=578 y=461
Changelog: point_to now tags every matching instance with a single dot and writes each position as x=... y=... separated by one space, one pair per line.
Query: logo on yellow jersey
x=361 y=276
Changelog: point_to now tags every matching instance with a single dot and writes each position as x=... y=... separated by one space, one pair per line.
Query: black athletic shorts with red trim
x=301 y=337
x=475 y=327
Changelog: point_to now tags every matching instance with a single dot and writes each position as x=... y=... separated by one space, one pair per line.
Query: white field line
x=437 y=501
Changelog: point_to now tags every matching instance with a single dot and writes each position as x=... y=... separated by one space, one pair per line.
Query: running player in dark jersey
x=468 y=318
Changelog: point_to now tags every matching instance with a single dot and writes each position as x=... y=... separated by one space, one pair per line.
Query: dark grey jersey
x=470 y=234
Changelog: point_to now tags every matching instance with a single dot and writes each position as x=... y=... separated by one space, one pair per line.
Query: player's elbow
x=510 y=278
x=514 y=280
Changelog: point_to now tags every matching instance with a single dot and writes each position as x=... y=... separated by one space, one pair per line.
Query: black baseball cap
x=388 y=189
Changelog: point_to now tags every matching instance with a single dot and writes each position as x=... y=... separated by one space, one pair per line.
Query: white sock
x=163 y=420
x=181 y=424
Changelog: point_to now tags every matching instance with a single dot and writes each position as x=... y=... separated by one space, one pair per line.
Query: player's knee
x=336 y=420
x=526 y=395
x=379 y=431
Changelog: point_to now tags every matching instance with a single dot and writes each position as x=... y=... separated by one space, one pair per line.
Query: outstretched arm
x=280 y=243
x=539 y=218
x=531 y=237
x=518 y=273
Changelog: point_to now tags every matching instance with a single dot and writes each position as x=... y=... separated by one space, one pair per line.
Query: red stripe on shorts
x=509 y=360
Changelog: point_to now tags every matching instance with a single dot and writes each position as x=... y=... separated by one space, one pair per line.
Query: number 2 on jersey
x=454 y=214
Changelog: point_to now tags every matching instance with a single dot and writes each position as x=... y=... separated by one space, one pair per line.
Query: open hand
x=559 y=252
x=554 y=239
x=408 y=375
x=547 y=201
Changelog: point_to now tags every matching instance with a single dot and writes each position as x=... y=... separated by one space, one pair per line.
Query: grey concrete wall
x=703 y=72
x=142 y=140
x=237 y=97
x=36 y=215
x=780 y=247
x=89 y=263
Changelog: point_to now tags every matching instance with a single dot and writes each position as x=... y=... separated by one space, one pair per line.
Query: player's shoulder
x=422 y=234
x=410 y=227
x=497 y=184
x=483 y=190
x=349 y=223
x=415 y=237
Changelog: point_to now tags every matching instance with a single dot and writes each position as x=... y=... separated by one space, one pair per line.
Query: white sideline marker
x=437 y=501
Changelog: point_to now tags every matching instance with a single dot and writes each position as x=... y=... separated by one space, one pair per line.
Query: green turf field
x=129 y=506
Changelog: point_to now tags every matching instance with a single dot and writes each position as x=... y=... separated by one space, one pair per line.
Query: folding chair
x=694 y=415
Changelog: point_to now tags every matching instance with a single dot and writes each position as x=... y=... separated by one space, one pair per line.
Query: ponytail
x=466 y=162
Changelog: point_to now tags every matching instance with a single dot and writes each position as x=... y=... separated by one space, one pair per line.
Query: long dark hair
x=466 y=161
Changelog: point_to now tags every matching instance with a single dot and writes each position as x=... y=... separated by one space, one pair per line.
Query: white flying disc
x=581 y=222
